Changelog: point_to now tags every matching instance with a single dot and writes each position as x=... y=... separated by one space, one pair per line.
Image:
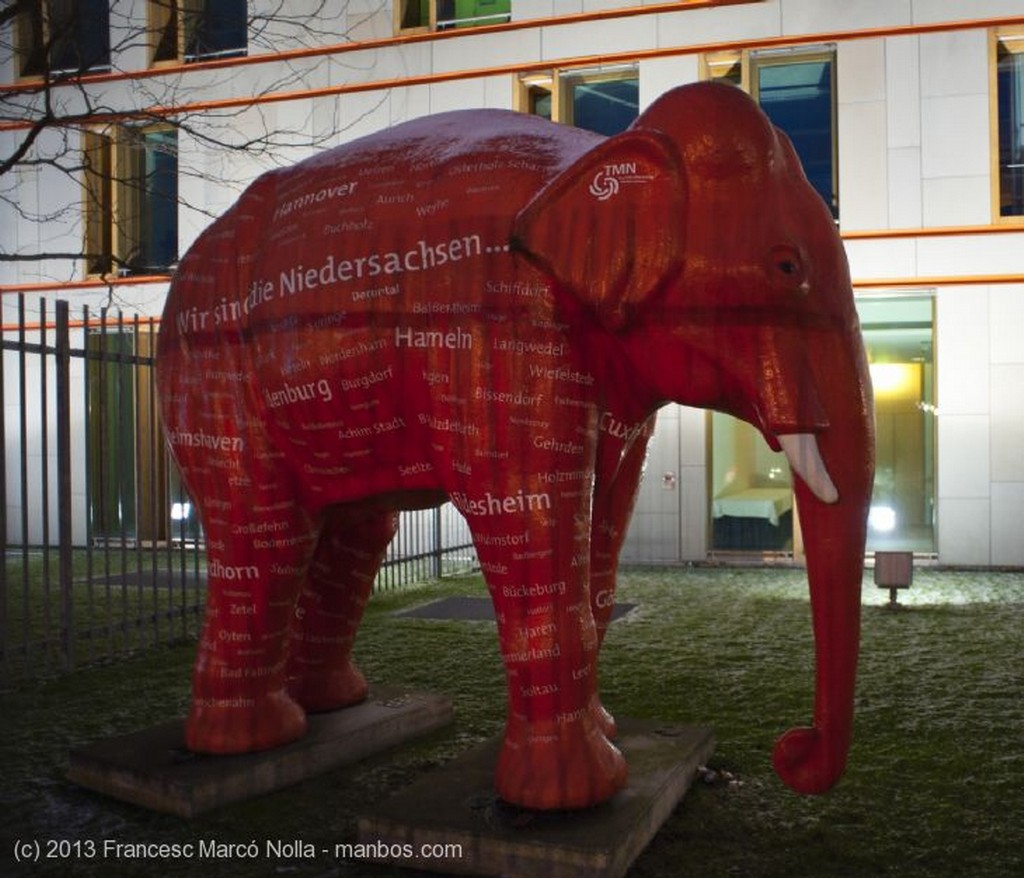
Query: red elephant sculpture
x=487 y=307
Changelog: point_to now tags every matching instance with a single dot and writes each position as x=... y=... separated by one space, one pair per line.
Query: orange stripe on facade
x=98 y=283
x=477 y=73
x=29 y=85
x=893 y=283
x=92 y=283
x=929 y=232
x=945 y=280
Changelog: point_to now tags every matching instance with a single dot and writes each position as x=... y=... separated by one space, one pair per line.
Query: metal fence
x=103 y=554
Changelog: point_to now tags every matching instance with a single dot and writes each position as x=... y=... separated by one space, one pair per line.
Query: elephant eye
x=786 y=267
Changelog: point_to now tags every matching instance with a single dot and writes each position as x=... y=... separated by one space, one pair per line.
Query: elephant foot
x=320 y=690
x=242 y=723
x=603 y=719
x=557 y=766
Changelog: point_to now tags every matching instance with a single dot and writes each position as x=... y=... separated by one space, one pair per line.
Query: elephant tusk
x=804 y=457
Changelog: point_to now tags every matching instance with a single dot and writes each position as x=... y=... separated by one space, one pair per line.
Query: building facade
x=126 y=126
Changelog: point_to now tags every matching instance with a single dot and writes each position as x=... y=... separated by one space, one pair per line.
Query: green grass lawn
x=935 y=785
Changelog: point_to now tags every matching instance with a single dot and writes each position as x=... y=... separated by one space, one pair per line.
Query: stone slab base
x=451 y=821
x=153 y=769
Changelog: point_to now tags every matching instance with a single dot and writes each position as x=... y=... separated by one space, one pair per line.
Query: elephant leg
x=554 y=755
x=615 y=491
x=321 y=673
x=258 y=548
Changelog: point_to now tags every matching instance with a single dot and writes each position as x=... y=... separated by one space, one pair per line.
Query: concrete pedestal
x=451 y=821
x=153 y=769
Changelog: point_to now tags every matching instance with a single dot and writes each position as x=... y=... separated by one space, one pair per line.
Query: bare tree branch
x=47 y=117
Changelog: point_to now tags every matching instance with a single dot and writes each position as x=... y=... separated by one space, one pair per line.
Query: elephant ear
x=609 y=228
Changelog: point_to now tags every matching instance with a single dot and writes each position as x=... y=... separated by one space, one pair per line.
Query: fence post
x=438 y=544
x=64 y=537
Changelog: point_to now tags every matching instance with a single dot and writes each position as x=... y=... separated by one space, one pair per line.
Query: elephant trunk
x=811 y=760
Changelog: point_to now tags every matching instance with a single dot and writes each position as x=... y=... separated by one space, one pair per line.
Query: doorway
x=898 y=334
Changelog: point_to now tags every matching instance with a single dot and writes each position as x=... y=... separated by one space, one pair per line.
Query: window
x=446 y=14
x=751 y=490
x=131 y=200
x=797 y=91
x=898 y=337
x=752 y=508
x=133 y=492
x=194 y=30
x=63 y=37
x=605 y=101
x=1008 y=175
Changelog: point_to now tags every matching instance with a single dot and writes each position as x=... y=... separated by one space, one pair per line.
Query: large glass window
x=1010 y=124
x=605 y=101
x=194 y=30
x=897 y=332
x=751 y=491
x=797 y=91
x=799 y=97
x=62 y=37
x=445 y=14
x=752 y=505
x=131 y=200
x=133 y=493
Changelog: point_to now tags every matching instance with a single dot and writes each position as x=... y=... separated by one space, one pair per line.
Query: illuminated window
x=1008 y=95
x=133 y=492
x=797 y=91
x=605 y=101
x=898 y=337
x=446 y=14
x=131 y=200
x=194 y=30
x=61 y=37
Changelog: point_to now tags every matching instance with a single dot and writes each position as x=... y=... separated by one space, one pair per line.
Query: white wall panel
x=523 y=9
x=599 y=5
x=954 y=63
x=693 y=482
x=965 y=532
x=409 y=103
x=486 y=50
x=861 y=71
x=884 y=258
x=964 y=458
x=610 y=36
x=962 y=352
x=811 y=16
x=863 y=160
x=498 y=92
x=1006 y=302
x=1007 y=515
x=659 y=75
x=955 y=136
x=723 y=24
x=1008 y=425
x=369 y=20
x=930 y=11
x=408 y=59
x=362 y=113
x=955 y=201
x=905 y=193
x=903 y=92
x=863 y=166
x=467 y=94
x=693 y=508
x=971 y=254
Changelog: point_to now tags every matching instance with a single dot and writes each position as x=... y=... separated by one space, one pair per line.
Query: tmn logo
x=607 y=181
